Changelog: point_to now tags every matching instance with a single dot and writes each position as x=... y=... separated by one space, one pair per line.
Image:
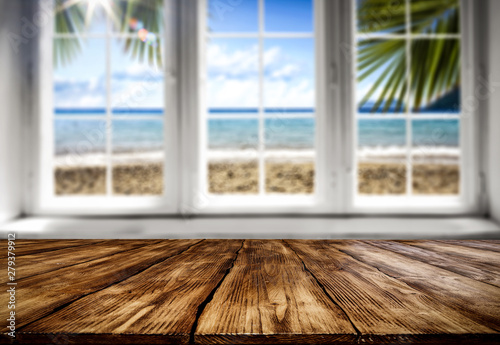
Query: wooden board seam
x=80 y=262
x=210 y=296
x=323 y=288
x=107 y=286
x=427 y=262
x=46 y=250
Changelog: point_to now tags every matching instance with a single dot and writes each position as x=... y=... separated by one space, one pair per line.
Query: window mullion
x=409 y=141
x=109 y=131
x=262 y=170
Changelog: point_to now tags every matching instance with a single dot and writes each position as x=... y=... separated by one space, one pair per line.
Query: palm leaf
x=70 y=19
x=435 y=63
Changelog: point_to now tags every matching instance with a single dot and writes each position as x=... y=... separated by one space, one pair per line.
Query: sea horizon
x=233 y=134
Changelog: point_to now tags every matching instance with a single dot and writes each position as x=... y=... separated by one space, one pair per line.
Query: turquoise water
x=234 y=134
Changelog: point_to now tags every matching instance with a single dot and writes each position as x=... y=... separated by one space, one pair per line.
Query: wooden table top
x=254 y=292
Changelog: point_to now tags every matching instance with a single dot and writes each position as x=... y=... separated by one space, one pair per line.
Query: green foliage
x=70 y=18
x=435 y=63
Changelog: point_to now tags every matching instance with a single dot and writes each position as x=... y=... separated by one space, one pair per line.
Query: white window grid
x=109 y=35
x=261 y=152
x=408 y=36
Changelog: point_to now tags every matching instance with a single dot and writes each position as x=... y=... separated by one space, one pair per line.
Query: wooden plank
x=33 y=264
x=475 y=300
x=478 y=244
x=40 y=295
x=158 y=305
x=455 y=250
x=27 y=247
x=380 y=306
x=268 y=297
x=475 y=270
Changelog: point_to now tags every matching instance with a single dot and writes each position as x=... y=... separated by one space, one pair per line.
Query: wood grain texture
x=377 y=304
x=26 y=247
x=159 y=302
x=475 y=300
x=455 y=250
x=490 y=245
x=34 y=264
x=269 y=297
x=473 y=269
x=40 y=295
x=256 y=292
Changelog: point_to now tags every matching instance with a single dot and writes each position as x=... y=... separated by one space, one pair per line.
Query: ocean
x=239 y=134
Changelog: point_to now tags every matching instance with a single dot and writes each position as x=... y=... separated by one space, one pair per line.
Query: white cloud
x=137 y=70
x=234 y=63
x=279 y=93
x=272 y=56
x=244 y=93
x=232 y=93
x=81 y=101
x=286 y=71
x=233 y=80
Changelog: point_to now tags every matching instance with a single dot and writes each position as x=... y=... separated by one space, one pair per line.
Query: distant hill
x=448 y=103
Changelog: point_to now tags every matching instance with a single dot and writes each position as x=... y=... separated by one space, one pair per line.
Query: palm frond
x=435 y=63
x=70 y=19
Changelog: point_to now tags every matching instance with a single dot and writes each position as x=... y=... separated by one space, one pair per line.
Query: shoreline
x=377 y=155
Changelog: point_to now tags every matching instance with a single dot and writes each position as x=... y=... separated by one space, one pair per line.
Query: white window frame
x=468 y=200
x=184 y=90
x=45 y=201
x=196 y=199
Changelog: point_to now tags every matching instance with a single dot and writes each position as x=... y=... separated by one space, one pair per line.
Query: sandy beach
x=142 y=174
x=391 y=179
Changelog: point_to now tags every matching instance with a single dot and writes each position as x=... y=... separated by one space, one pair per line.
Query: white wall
x=494 y=108
x=10 y=110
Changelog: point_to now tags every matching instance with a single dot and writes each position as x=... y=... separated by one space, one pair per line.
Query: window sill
x=246 y=227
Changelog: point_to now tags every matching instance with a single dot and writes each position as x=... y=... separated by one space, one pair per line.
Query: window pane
x=435 y=16
x=80 y=161
x=228 y=134
x=139 y=17
x=381 y=178
x=136 y=80
x=289 y=134
x=289 y=16
x=289 y=75
x=232 y=164
x=233 y=176
x=436 y=156
x=437 y=179
x=232 y=16
x=435 y=133
x=290 y=176
x=138 y=155
x=79 y=76
x=435 y=74
x=290 y=144
x=79 y=17
x=381 y=16
x=232 y=73
x=381 y=156
x=382 y=83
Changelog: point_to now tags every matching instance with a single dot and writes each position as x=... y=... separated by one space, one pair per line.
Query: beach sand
x=128 y=179
x=431 y=179
x=80 y=180
x=242 y=178
x=436 y=179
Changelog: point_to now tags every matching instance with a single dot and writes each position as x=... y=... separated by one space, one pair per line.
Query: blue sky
x=242 y=15
x=232 y=63
x=82 y=84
